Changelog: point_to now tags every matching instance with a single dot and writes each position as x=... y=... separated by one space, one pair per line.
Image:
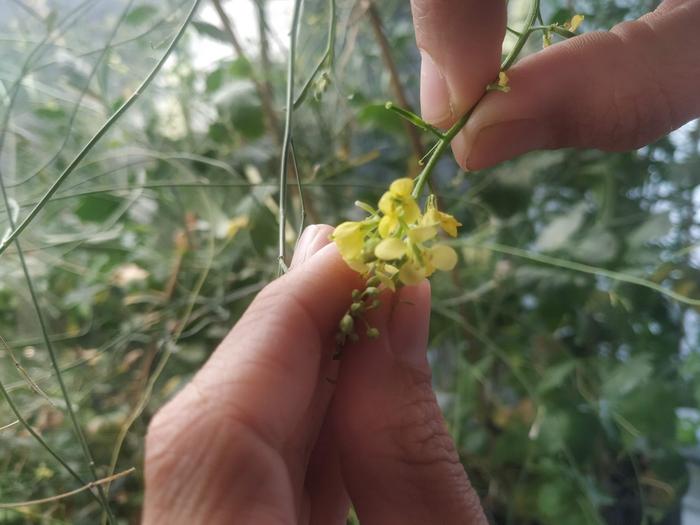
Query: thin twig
x=68 y=494
x=9 y=425
x=286 y=141
x=100 y=133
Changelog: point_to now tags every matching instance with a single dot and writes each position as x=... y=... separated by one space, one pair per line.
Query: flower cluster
x=395 y=242
x=395 y=245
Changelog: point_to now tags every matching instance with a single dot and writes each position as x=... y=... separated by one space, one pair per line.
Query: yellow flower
x=434 y=217
x=390 y=249
x=412 y=273
x=386 y=273
x=574 y=23
x=442 y=257
x=503 y=81
x=349 y=237
x=397 y=205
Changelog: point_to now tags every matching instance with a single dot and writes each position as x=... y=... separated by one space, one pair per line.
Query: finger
x=614 y=91
x=252 y=403
x=460 y=46
x=399 y=462
x=313 y=238
x=328 y=499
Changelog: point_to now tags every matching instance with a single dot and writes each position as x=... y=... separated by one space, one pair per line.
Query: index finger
x=460 y=43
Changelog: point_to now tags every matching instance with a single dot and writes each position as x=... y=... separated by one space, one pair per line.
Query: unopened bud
x=347 y=324
x=356 y=308
x=356 y=294
x=372 y=333
x=371 y=291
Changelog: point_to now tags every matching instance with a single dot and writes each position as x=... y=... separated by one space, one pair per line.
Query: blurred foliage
x=563 y=386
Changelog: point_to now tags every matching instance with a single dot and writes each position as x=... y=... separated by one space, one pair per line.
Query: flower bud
x=347 y=324
x=371 y=291
x=372 y=333
x=356 y=308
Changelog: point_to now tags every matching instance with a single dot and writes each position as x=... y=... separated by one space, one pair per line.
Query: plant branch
x=100 y=133
x=286 y=141
x=87 y=486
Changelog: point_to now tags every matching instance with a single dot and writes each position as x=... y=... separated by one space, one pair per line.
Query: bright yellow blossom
x=397 y=205
x=434 y=217
x=574 y=23
x=395 y=245
x=349 y=237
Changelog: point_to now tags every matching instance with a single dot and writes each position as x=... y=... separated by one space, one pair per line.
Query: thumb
x=614 y=90
x=460 y=46
x=398 y=461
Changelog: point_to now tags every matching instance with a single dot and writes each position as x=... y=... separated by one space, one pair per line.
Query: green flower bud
x=371 y=291
x=372 y=333
x=356 y=308
x=347 y=324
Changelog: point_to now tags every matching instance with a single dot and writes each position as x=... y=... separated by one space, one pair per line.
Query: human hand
x=261 y=435
x=615 y=90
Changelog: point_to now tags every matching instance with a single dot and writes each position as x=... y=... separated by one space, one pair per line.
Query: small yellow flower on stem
x=434 y=217
x=397 y=205
x=394 y=246
x=349 y=237
x=575 y=22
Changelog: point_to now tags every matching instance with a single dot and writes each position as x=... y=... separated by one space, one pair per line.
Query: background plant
x=564 y=411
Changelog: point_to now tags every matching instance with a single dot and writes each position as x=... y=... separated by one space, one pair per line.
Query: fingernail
x=312 y=239
x=434 y=92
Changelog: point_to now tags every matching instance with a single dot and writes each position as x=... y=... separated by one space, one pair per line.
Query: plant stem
x=100 y=133
x=282 y=240
x=444 y=142
x=328 y=57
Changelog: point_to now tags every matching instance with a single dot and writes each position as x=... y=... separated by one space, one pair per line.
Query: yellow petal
x=443 y=257
x=449 y=224
x=401 y=187
x=387 y=225
x=387 y=204
x=390 y=249
x=422 y=233
x=411 y=274
x=576 y=21
x=349 y=238
x=411 y=211
x=357 y=265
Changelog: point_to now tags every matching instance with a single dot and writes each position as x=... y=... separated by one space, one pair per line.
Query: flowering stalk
x=397 y=244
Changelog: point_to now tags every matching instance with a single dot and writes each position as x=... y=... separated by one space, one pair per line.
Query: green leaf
x=96 y=208
x=560 y=230
x=210 y=30
x=598 y=246
x=655 y=227
x=627 y=376
x=555 y=376
x=140 y=14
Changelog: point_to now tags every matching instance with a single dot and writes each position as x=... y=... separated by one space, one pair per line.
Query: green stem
x=286 y=141
x=328 y=58
x=424 y=176
x=100 y=133
x=522 y=39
